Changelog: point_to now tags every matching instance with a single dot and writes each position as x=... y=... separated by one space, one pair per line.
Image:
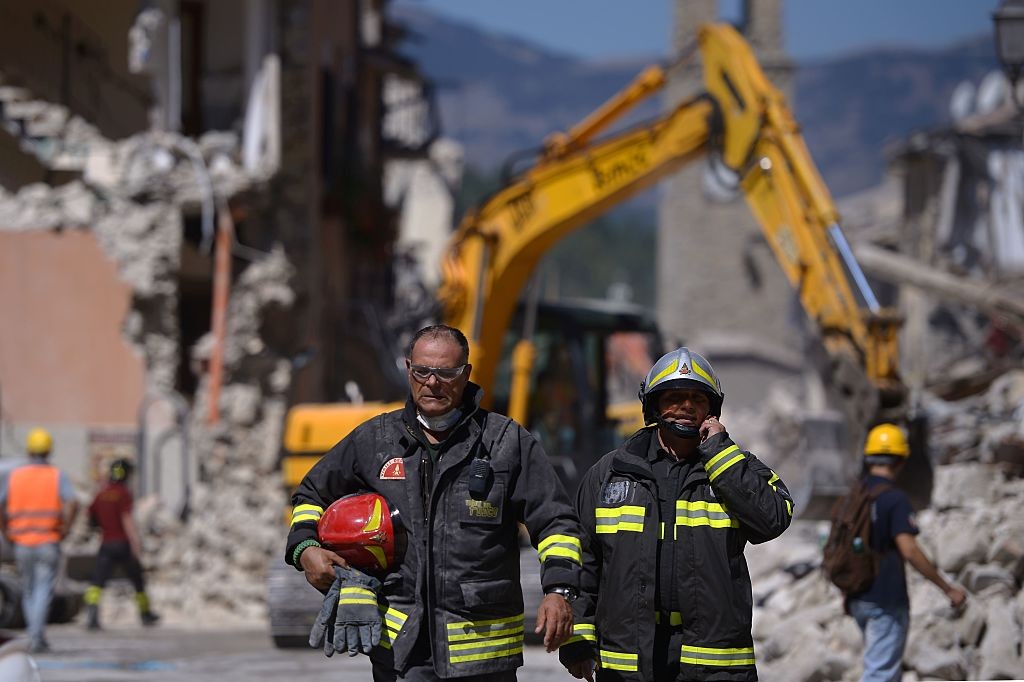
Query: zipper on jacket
x=426 y=485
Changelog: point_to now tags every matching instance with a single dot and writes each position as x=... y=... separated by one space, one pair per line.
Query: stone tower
x=720 y=290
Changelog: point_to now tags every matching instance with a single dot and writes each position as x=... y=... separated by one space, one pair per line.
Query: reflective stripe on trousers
x=485 y=639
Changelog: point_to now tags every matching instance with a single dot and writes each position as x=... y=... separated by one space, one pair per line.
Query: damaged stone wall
x=138 y=197
x=132 y=195
x=214 y=563
x=144 y=240
x=212 y=567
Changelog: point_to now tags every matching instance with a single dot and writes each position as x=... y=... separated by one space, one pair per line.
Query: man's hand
x=554 y=619
x=957 y=597
x=710 y=427
x=583 y=670
x=318 y=564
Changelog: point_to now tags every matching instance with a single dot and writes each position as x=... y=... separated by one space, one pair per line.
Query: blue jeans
x=885 y=637
x=38 y=565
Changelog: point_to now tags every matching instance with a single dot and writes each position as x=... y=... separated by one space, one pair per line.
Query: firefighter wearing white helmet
x=666 y=516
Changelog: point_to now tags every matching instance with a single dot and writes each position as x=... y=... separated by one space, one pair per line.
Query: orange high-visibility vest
x=33 y=504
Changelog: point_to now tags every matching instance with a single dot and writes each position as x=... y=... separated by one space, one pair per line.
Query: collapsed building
x=187 y=189
x=943 y=239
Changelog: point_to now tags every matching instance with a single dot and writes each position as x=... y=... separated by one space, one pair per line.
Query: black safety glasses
x=422 y=372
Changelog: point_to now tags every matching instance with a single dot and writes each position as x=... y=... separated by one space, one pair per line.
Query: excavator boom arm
x=495 y=250
x=744 y=122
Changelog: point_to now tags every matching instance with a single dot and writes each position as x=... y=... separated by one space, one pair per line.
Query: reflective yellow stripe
x=717 y=464
x=616 y=519
x=510 y=629
x=306 y=512
x=482 y=628
x=703 y=655
x=714 y=460
x=480 y=640
x=700 y=370
x=771 y=482
x=393 y=621
x=500 y=642
x=582 y=632
x=499 y=651
x=560 y=545
x=718 y=472
x=619 y=661
x=702 y=513
x=664 y=373
x=674 y=618
x=357 y=595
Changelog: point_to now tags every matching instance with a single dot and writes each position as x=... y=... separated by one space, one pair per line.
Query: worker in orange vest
x=37 y=507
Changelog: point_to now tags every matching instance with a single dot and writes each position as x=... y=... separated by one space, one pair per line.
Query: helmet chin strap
x=678 y=430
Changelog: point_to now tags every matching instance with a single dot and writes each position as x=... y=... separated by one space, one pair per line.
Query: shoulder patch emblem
x=614 y=493
x=393 y=469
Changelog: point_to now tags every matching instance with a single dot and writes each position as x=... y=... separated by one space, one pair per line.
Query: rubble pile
x=973 y=531
x=214 y=563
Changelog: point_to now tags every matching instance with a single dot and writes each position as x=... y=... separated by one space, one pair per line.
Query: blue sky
x=813 y=28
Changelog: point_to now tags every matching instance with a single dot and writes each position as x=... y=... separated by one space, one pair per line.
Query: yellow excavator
x=740 y=120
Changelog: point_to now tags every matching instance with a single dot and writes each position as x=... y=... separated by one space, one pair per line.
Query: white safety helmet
x=681 y=368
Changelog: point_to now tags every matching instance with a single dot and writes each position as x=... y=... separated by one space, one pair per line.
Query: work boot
x=149 y=618
x=92 y=613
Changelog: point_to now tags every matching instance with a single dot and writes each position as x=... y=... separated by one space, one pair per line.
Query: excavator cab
x=590 y=359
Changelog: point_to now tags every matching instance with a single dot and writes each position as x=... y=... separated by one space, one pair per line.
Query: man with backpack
x=873 y=531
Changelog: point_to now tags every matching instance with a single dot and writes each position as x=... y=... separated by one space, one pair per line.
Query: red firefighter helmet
x=364 y=530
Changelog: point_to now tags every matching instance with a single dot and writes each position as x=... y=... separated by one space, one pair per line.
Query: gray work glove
x=357 y=625
x=322 y=632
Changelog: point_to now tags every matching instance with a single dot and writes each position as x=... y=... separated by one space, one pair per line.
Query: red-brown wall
x=62 y=357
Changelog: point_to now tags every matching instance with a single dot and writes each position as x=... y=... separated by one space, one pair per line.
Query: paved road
x=176 y=654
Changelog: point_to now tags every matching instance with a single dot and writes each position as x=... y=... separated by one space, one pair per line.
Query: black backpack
x=848 y=559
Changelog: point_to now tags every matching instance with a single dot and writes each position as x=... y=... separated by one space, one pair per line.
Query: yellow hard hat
x=38 y=442
x=886 y=439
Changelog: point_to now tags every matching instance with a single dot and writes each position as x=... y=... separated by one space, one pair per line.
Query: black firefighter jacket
x=733 y=499
x=460 y=575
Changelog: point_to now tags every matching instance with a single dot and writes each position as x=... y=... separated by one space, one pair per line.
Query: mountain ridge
x=501 y=94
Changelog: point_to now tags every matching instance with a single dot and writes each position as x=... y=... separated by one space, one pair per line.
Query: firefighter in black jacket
x=665 y=592
x=462 y=479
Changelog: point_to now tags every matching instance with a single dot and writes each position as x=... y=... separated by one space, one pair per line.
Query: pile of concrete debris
x=973 y=531
x=209 y=568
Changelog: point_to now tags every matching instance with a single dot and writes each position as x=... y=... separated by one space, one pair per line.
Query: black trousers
x=113 y=554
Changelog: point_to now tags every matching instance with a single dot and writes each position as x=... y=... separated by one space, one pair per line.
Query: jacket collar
x=637 y=455
x=631 y=457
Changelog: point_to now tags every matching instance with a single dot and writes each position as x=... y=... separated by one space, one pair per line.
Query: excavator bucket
x=918 y=474
x=835 y=461
x=827 y=470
